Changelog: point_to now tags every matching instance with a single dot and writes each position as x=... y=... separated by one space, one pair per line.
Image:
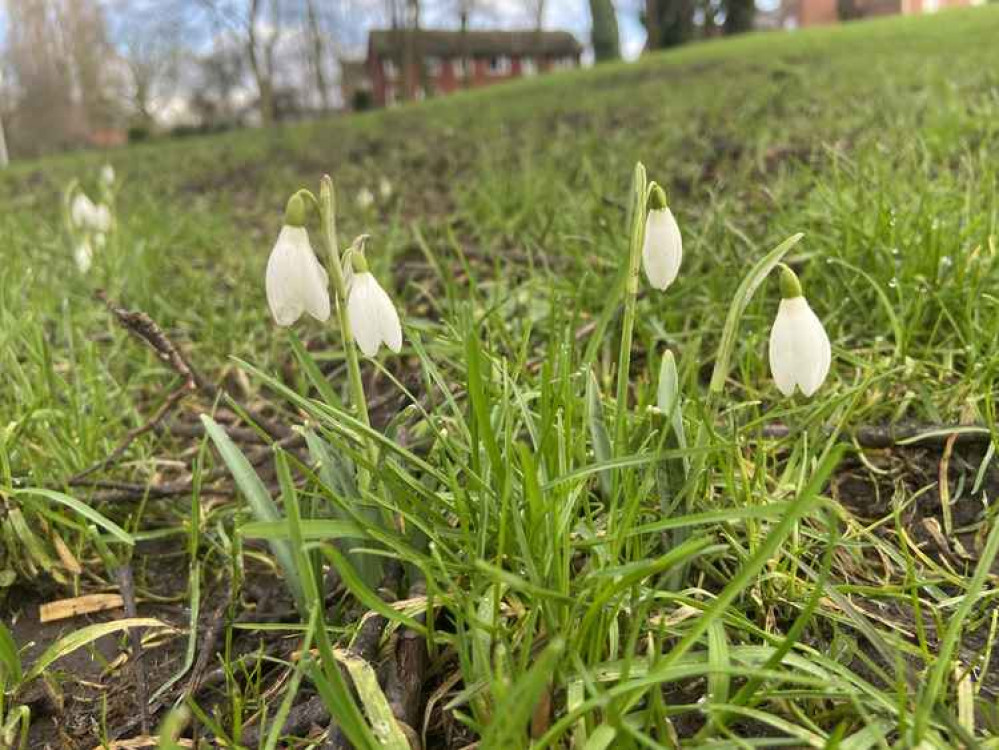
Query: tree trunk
x=739 y=16
x=317 y=55
x=604 y=34
x=464 y=47
x=669 y=22
x=261 y=72
x=653 y=29
x=4 y=158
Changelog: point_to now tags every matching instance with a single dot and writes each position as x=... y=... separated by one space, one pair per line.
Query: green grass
x=740 y=591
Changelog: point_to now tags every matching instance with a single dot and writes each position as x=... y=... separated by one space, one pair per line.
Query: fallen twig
x=165 y=408
x=116 y=491
x=127 y=587
x=875 y=436
x=143 y=327
x=405 y=672
x=206 y=649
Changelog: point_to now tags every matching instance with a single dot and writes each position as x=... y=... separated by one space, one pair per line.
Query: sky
x=568 y=15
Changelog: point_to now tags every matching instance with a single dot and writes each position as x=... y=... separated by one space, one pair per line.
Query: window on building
x=434 y=66
x=389 y=95
x=528 y=66
x=564 y=63
x=420 y=94
x=462 y=67
x=391 y=71
x=500 y=65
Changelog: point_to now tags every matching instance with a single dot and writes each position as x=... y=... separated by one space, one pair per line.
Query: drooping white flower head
x=385 y=188
x=296 y=281
x=107 y=175
x=800 y=353
x=365 y=198
x=83 y=254
x=102 y=219
x=89 y=216
x=373 y=318
x=662 y=249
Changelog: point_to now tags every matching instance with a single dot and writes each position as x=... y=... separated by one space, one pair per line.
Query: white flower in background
x=365 y=198
x=86 y=215
x=102 y=219
x=384 y=188
x=373 y=318
x=296 y=281
x=83 y=254
x=107 y=175
x=800 y=354
x=662 y=249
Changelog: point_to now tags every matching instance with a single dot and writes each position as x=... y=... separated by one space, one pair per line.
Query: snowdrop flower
x=86 y=215
x=83 y=254
x=373 y=317
x=662 y=249
x=365 y=198
x=385 y=188
x=799 y=347
x=107 y=175
x=296 y=281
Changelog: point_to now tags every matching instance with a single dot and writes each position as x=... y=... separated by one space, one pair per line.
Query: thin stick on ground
x=143 y=327
x=127 y=586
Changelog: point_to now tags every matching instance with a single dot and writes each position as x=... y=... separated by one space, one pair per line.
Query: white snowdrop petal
x=282 y=297
x=818 y=353
x=388 y=318
x=101 y=219
x=82 y=210
x=800 y=354
x=662 y=248
x=315 y=291
x=295 y=280
x=83 y=254
x=782 y=352
x=362 y=301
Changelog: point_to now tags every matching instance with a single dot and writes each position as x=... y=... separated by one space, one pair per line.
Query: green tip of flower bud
x=790 y=287
x=657 y=199
x=294 y=212
x=358 y=262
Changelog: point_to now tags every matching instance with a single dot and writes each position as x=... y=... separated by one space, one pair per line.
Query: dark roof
x=441 y=43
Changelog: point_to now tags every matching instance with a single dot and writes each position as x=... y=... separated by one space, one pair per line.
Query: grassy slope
x=877 y=140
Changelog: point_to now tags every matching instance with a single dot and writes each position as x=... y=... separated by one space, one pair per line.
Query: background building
x=800 y=13
x=404 y=64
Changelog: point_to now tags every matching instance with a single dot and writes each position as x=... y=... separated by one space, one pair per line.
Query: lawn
x=547 y=534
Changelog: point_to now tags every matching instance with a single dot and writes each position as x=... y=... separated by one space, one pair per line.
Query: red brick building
x=440 y=62
x=798 y=13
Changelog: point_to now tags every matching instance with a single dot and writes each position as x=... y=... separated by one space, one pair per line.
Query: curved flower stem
x=327 y=217
x=638 y=200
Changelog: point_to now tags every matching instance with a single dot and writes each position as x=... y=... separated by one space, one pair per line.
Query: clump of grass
x=692 y=582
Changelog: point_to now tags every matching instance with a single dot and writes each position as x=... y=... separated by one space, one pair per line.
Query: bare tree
x=259 y=23
x=261 y=43
x=151 y=46
x=86 y=41
x=317 y=56
x=4 y=157
x=220 y=72
x=536 y=9
x=41 y=92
